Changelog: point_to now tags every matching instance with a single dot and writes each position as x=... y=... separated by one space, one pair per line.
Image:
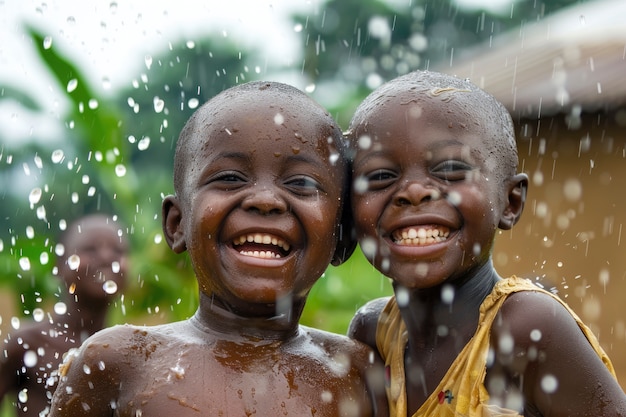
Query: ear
x=172 y=224
x=517 y=189
x=346 y=235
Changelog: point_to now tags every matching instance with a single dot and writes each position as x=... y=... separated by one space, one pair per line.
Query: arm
x=10 y=361
x=363 y=328
x=560 y=374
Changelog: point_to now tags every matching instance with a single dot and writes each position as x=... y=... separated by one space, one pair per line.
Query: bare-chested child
x=259 y=180
x=435 y=172
x=92 y=266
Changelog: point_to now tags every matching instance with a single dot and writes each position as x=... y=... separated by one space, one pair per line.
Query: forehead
x=263 y=121
x=88 y=231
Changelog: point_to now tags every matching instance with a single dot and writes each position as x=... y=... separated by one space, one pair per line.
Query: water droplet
x=38 y=314
x=109 y=287
x=454 y=198
x=148 y=61
x=144 y=143
x=193 y=103
x=22 y=396
x=93 y=104
x=535 y=335
x=310 y=88
x=549 y=384
x=47 y=42
x=35 y=196
x=41 y=213
x=15 y=323
x=364 y=142
x=24 y=263
x=71 y=85
x=572 y=190
x=158 y=238
x=447 y=294
x=158 y=103
x=86 y=369
x=57 y=156
x=279 y=119
x=360 y=185
x=30 y=358
x=402 y=296
x=115 y=267
x=120 y=170
x=73 y=262
x=74 y=197
x=30 y=232
x=60 y=308
x=298 y=28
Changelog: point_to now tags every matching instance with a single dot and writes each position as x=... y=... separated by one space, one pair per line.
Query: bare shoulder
x=541 y=344
x=363 y=324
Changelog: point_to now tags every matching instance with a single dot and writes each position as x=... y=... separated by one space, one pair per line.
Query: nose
x=265 y=201
x=414 y=193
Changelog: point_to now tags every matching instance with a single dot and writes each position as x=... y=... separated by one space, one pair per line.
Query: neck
x=213 y=317
x=451 y=308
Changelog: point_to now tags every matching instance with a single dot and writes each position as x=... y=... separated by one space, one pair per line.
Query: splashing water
x=60 y=308
x=109 y=287
x=24 y=263
x=30 y=359
x=34 y=196
x=38 y=315
x=73 y=262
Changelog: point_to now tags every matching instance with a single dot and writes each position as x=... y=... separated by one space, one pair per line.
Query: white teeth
x=421 y=236
x=260 y=254
x=264 y=239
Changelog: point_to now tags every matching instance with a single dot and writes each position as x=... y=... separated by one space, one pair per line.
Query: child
x=434 y=178
x=259 y=179
x=92 y=268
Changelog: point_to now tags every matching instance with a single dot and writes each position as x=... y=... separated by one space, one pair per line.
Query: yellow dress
x=461 y=392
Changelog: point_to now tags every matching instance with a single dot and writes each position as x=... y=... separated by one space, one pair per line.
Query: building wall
x=572 y=235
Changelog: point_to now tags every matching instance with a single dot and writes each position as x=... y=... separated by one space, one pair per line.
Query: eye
x=380 y=179
x=452 y=170
x=227 y=180
x=303 y=185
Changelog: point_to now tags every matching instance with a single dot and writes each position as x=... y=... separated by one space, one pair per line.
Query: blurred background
x=93 y=96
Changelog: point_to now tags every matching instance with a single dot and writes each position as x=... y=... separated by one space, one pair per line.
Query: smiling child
x=260 y=180
x=435 y=177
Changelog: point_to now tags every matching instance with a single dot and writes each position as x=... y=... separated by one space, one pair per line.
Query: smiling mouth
x=419 y=236
x=260 y=245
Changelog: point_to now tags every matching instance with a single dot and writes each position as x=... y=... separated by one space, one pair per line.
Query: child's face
x=261 y=204
x=95 y=260
x=428 y=194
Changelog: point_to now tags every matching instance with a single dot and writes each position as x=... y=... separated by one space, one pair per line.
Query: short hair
x=436 y=84
x=257 y=92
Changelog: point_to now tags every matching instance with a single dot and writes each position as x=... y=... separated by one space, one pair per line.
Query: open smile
x=261 y=245
x=420 y=236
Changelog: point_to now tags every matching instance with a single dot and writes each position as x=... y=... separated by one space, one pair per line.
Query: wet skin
x=430 y=193
x=257 y=208
x=102 y=256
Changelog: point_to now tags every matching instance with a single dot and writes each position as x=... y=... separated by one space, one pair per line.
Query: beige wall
x=573 y=231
